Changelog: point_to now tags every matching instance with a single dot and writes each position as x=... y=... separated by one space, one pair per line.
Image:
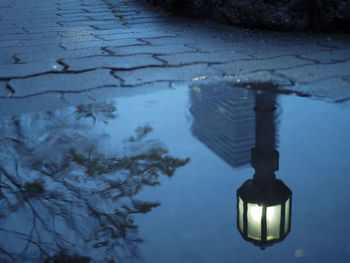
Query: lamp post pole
x=264 y=157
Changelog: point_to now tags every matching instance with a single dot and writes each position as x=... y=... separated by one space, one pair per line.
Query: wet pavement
x=128 y=135
x=59 y=53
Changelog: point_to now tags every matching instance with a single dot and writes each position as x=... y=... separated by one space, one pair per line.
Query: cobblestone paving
x=53 y=50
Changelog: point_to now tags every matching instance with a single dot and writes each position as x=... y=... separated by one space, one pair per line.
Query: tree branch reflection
x=62 y=196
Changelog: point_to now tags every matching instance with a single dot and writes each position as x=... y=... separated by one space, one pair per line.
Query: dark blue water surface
x=153 y=178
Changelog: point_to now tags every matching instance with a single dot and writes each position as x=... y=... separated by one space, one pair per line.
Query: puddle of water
x=154 y=177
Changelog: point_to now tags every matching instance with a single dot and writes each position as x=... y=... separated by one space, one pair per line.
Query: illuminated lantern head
x=264 y=211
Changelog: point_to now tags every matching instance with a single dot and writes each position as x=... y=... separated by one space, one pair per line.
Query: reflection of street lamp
x=264 y=203
x=264 y=211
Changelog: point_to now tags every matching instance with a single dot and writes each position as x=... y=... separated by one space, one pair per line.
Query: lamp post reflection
x=224 y=121
x=264 y=202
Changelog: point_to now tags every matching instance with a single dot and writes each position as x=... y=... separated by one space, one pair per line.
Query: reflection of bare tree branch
x=61 y=197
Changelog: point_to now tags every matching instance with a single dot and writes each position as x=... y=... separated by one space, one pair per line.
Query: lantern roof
x=264 y=192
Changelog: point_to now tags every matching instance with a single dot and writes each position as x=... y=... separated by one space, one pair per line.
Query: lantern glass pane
x=254 y=221
x=286 y=222
x=273 y=222
x=240 y=214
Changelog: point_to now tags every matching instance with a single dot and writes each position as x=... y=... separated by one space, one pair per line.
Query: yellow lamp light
x=264 y=211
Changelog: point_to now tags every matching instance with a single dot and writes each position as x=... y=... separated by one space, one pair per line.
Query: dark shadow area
x=187 y=8
x=311 y=15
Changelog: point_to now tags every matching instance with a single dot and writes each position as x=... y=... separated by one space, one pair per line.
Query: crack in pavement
x=209 y=64
x=10 y=88
x=64 y=65
x=60 y=92
x=16 y=59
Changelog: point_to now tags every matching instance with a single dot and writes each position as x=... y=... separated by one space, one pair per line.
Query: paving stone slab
x=61 y=54
x=263 y=51
x=143 y=14
x=329 y=56
x=177 y=39
x=115 y=23
x=62 y=21
x=109 y=26
x=24 y=37
x=100 y=43
x=21 y=70
x=131 y=34
x=125 y=62
x=25 y=49
x=62 y=83
x=139 y=49
x=102 y=16
x=162 y=74
x=333 y=89
x=138 y=20
x=4 y=31
x=60 y=40
x=315 y=72
x=246 y=66
x=6 y=59
x=10 y=43
x=91 y=13
x=91 y=9
x=197 y=57
x=72 y=34
x=82 y=15
x=57 y=29
x=115 y=32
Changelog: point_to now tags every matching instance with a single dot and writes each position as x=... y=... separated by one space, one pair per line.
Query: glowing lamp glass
x=261 y=219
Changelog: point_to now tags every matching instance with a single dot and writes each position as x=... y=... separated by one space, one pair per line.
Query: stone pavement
x=61 y=52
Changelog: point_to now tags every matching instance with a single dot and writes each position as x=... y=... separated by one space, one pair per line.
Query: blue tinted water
x=212 y=130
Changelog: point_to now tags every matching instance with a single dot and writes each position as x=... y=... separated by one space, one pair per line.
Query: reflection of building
x=224 y=121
